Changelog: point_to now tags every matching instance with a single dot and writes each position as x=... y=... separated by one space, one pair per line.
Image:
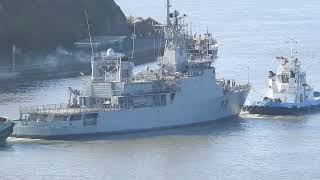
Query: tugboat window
x=283 y=78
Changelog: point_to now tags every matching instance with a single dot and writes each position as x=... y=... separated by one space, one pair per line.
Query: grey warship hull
x=184 y=110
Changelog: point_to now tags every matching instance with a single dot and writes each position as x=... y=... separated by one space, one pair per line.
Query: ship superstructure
x=202 y=45
x=181 y=91
x=197 y=47
x=288 y=91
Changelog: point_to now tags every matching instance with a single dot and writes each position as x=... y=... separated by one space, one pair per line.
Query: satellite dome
x=110 y=52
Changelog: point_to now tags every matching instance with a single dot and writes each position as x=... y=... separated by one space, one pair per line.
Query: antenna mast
x=89 y=31
x=133 y=39
x=168 y=12
x=248 y=74
x=14 y=57
x=291 y=49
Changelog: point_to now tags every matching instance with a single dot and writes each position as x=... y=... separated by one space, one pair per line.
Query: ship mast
x=14 y=57
x=89 y=31
x=292 y=42
x=168 y=12
x=133 y=36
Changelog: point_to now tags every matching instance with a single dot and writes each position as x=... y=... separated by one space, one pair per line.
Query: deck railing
x=65 y=109
x=229 y=87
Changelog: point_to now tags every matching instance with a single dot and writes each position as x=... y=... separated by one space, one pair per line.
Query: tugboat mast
x=292 y=42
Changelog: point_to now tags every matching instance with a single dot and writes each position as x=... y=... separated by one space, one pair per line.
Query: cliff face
x=44 y=25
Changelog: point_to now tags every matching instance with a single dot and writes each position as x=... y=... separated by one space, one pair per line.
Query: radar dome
x=110 y=52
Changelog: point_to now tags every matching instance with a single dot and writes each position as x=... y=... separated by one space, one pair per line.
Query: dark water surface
x=250 y=33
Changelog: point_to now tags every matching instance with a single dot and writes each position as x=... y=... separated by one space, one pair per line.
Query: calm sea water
x=250 y=34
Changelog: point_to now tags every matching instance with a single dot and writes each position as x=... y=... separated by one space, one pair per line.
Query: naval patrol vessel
x=183 y=90
x=288 y=91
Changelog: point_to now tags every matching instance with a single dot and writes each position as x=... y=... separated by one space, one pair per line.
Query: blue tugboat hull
x=273 y=108
x=266 y=110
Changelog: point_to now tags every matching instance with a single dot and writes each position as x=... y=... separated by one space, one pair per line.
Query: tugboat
x=288 y=91
x=183 y=90
x=6 y=129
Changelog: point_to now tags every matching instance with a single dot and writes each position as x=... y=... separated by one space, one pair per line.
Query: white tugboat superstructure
x=182 y=91
x=288 y=91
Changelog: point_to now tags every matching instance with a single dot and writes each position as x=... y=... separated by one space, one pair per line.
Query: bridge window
x=283 y=78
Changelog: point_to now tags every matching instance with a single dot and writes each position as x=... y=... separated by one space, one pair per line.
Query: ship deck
x=63 y=109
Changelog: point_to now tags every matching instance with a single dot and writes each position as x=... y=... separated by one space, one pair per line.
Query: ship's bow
x=6 y=129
